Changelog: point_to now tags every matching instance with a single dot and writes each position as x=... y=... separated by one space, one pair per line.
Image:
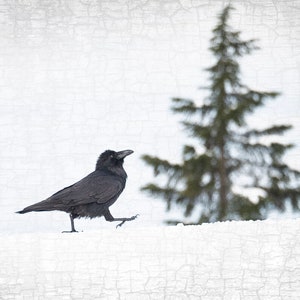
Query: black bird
x=92 y=196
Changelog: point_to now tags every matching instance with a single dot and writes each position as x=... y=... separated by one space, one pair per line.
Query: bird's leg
x=124 y=220
x=108 y=217
x=72 y=225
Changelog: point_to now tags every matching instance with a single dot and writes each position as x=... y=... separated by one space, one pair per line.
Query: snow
x=228 y=260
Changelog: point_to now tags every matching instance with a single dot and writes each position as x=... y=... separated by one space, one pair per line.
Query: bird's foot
x=119 y=225
x=127 y=219
x=69 y=231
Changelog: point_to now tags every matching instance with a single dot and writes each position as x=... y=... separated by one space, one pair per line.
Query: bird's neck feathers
x=113 y=169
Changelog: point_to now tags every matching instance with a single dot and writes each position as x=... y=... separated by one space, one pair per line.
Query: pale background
x=80 y=77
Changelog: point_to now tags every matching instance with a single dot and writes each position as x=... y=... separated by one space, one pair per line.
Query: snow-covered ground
x=231 y=260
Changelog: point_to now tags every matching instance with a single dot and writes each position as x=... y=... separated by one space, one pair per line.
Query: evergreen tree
x=230 y=153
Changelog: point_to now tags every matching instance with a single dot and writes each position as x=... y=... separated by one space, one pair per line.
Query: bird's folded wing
x=100 y=189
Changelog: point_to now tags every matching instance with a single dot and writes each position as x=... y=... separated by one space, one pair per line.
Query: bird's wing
x=93 y=188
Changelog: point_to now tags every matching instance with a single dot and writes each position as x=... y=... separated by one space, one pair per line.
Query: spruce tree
x=227 y=152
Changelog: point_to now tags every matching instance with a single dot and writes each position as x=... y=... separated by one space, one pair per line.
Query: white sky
x=80 y=77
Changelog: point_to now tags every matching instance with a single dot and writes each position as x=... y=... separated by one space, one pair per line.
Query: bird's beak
x=123 y=154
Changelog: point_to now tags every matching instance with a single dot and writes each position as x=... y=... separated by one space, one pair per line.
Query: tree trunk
x=223 y=185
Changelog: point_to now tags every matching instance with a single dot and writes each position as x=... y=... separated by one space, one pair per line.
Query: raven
x=92 y=196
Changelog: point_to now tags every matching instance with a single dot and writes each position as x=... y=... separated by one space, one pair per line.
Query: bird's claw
x=119 y=225
x=133 y=217
x=129 y=219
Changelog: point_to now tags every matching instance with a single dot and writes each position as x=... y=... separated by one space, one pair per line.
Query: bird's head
x=111 y=159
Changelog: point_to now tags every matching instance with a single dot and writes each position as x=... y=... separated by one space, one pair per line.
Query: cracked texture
x=231 y=260
x=79 y=77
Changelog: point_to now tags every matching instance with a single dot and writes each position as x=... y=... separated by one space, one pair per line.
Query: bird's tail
x=40 y=206
x=21 y=211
